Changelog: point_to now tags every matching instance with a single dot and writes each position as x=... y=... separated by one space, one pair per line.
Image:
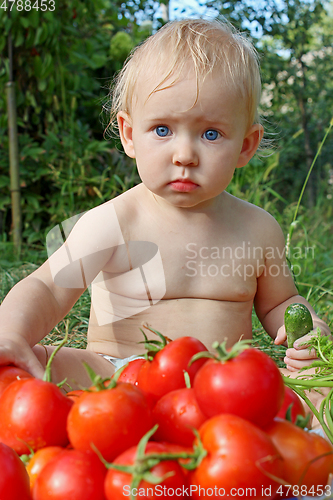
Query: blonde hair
x=209 y=45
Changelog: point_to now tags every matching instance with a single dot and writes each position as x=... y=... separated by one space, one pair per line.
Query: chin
x=186 y=203
x=179 y=200
x=189 y=202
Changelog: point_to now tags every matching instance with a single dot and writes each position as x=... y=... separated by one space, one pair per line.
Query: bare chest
x=177 y=265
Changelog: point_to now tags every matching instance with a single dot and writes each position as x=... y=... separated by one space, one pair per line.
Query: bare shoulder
x=80 y=246
x=248 y=210
x=128 y=203
x=257 y=221
x=102 y=226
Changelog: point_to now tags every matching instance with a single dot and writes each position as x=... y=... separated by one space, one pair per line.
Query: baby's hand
x=298 y=356
x=14 y=349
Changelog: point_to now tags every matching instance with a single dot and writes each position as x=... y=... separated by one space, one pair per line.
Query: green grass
x=77 y=321
x=13 y=269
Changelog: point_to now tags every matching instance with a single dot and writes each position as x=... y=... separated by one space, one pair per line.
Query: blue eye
x=162 y=131
x=211 y=135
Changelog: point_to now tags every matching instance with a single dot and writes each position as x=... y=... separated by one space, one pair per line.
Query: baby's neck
x=202 y=210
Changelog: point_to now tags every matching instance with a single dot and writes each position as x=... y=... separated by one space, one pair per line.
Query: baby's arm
x=37 y=303
x=299 y=356
x=28 y=313
x=275 y=291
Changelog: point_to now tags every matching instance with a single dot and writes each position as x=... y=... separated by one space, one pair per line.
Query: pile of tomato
x=182 y=422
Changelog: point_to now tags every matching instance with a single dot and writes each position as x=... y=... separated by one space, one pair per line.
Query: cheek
x=147 y=168
x=149 y=157
x=222 y=177
x=144 y=149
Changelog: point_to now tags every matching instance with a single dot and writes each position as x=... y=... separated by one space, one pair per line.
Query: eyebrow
x=206 y=121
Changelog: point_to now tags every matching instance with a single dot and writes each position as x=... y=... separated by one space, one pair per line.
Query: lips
x=183 y=185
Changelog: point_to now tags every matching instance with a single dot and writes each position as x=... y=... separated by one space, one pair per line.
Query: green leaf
x=2 y=44
x=38 y=35
x=31 y=99
x=25 y=21
x=34 y=18
x=38 y=66
x=120 y=46
x=78 y=57
x=33 y=201
x=276 y=194
x=7 y=25
x=4 y=181
x=98 y=60
x=18 y=39
x=4 y=202
x=48 y=64
x=44 y=34
x=42 y=84
x=33 y=152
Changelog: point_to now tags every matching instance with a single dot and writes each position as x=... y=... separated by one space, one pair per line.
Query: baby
x=176 y=252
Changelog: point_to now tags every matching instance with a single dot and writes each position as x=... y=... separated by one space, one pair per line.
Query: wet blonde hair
x=209 y=45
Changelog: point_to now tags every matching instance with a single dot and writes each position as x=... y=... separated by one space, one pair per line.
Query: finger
x=301 y=353
x=281 y=336
x=30 y=364
x=33 y=366
x=25 y=359
x=296 y=364
x=301 y=343
x=291 y=369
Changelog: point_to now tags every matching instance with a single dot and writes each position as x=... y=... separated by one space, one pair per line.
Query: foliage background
x=64 y=62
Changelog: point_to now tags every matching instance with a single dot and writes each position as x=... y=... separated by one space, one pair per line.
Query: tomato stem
x=299 y=386
x=141 y=468
x=323 y=377
x=25 y=457
x=307 y=383
x=187 y=380
x=222 y=353
x=153 y=346
x=99 y=383
x=47 y=374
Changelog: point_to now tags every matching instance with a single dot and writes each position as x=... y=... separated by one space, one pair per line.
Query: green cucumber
x=297 y=321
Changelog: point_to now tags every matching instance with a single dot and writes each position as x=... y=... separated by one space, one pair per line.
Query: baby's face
x=187 y=153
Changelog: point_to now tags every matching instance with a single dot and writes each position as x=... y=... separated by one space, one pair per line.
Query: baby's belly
x=207 y=320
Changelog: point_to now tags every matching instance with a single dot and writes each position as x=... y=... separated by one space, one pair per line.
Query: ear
x=125 y=132
x=250 y=144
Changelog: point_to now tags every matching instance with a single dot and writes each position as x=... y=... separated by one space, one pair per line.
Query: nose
x=184 y=153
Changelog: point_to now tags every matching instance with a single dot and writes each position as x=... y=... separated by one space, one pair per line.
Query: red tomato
x=39 y=460
x=130 y=375
x=239 y=455
x=14 y=479
x=131 y=372
x=33 y=413
x=112 y=419
x=249 y=385
x=9 y=374
x=299 y=450
x=165 y=372
x=291 y=398
x=118 y=484
x=72 y=475
x=176 y=414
